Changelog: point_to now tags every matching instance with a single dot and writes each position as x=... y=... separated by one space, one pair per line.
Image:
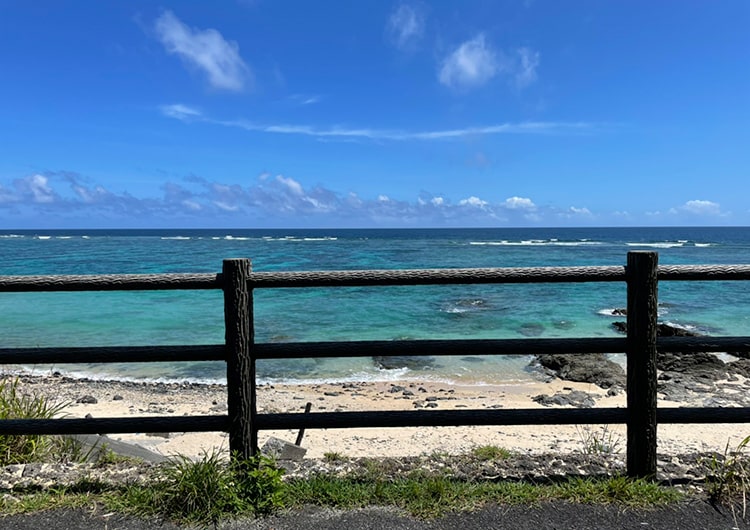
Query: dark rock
x=584 y=368
x=393 y=362
x=662 y=330
x=707 y=364
x=117 y=397
x=740 y=367
x=332 y=394
x=576 y=398
x=87 y=399
x=396 y=388
x=531 y=329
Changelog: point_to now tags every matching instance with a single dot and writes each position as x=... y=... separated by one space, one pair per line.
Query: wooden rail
x=240 y=352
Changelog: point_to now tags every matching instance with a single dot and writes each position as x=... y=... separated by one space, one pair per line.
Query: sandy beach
x=130 y=399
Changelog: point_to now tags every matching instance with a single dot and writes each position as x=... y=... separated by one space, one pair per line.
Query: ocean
x=422 y=312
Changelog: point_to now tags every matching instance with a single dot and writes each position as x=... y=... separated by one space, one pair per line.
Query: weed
x=603 y=441
x=729 y=477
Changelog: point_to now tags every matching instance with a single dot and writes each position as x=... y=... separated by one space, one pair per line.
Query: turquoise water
x=476 y=311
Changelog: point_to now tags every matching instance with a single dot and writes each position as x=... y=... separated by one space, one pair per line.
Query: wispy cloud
x=525 y=71
x=187 y=113
x=397 y=135
x=405 y=26
x=302 y=99
x=181 y=112
x=218 y=58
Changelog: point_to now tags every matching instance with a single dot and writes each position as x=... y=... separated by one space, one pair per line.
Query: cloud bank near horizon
x=278 y=200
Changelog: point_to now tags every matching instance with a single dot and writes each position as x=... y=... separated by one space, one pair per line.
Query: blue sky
x=274 y=113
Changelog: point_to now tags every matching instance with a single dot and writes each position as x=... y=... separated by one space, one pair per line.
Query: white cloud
x=281 y=200
x=470 y=65
x=699 y=207
x=580 y=211
x=519 y=203
x=473 y=201
x=405 y=26
x=38 y=187
x=290 y=184
x=182 y=112
x=207 y=50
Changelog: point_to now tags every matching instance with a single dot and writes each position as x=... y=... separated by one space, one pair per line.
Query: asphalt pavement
x=692 y=515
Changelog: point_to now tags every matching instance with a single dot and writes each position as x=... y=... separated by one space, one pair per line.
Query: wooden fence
x=240 y=352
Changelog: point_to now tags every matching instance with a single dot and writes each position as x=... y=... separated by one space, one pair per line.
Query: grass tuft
x=208 y=489
x=729 y=476
x=490 y=452
x=14 y=404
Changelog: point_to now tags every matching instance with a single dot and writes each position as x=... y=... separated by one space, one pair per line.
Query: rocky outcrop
x=394 y=362
x=593 y=368
x=697 y=365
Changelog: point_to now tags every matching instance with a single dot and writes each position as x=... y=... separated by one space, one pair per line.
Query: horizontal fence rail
x=110 y=282
x=362 y=278
x=240 y=351
x=112 y=354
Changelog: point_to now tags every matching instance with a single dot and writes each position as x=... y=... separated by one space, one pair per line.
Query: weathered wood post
x=642 y=283
x=239 y=336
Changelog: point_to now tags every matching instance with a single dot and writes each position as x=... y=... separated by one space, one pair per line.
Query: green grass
x=208 y=491
x=436 y=496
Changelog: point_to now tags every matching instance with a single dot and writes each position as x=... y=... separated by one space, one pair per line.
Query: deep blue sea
x=479 y=311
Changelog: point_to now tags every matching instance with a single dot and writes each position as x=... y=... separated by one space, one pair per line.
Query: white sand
x=131 y=400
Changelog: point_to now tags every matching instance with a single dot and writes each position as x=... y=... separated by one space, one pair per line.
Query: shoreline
x=100 y=398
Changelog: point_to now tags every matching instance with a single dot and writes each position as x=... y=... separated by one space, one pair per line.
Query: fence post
x=642 y=283
x=239 y=336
